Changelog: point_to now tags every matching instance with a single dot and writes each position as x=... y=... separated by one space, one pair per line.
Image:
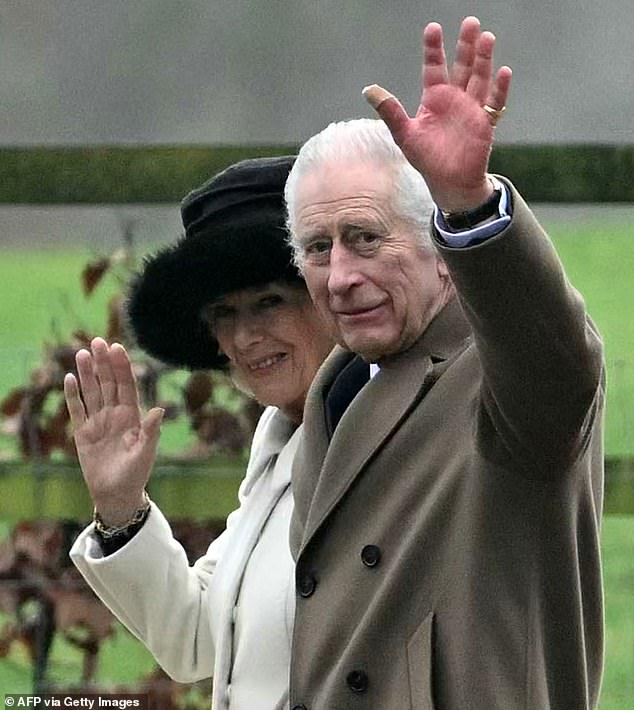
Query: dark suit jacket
x=447 y=537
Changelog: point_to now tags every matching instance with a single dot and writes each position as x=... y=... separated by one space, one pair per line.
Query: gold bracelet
x=108 y=531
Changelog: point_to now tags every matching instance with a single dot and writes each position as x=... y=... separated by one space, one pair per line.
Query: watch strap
x=469 y=219
x=112 y=538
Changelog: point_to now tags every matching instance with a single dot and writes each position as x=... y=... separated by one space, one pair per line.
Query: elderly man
x=448 y=489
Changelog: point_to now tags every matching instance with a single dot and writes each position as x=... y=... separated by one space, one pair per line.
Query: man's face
x=367 y=274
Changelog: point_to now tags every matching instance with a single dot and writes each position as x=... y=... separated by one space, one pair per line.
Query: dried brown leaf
x=93 y=273
x=114 y=329
x=12 y=403
x=197 y=391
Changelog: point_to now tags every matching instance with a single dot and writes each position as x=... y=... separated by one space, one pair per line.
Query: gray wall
x=248 y=71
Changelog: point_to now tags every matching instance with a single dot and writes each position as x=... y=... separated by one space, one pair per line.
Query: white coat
x=185 y=615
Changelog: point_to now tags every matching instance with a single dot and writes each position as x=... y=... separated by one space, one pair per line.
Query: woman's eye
x=270 y=301
x=218 y=313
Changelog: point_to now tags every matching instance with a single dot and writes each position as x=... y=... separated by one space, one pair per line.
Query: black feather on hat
x=234 y=238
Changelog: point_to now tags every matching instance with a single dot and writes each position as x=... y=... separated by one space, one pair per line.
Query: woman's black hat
x=234 y=238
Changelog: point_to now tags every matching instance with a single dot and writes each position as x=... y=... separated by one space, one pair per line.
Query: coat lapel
x=314 y=443
x=373 y=415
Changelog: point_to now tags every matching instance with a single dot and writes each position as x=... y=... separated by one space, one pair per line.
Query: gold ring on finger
x=495 y=114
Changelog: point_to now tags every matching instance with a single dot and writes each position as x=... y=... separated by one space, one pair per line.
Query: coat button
x=306 y=584
x=371 y=555
x=357 y=681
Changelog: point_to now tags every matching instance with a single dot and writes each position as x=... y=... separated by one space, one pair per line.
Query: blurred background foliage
x=154 y=174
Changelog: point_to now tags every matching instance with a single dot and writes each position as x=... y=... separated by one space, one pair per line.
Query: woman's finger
x=73 y=402
x=151 y=425
x=104 y=372
x=127 y=392
x=90 y=390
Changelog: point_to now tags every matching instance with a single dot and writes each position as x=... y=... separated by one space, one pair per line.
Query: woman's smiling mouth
x=267 y=362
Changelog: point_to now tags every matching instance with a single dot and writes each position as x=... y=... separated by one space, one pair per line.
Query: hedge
x=154 y=174
x=143 y=174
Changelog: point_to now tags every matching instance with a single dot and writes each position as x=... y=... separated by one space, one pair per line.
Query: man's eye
x=367 y=238
x=317 y=249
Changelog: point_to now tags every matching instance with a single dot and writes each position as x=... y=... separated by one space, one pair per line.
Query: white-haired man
x=448 y=490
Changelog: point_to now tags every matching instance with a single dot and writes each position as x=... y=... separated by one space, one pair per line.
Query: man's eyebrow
x=346 y=229
x=363 y=225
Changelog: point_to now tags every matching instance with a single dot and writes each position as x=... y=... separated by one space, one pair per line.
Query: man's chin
x=370 y=349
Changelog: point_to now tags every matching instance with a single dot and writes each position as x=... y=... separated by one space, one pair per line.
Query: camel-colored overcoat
x=447 y=535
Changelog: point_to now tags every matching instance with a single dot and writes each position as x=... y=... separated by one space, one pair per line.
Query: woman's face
x=275 y=341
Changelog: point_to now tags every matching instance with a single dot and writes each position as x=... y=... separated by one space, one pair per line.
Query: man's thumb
x=388 y=107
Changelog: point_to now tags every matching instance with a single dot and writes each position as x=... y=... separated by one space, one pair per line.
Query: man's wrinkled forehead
x=335 y=188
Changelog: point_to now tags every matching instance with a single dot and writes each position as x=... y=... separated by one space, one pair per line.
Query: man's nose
x=343 y=270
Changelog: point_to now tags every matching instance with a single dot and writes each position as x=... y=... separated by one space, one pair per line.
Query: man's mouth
x=266 y=362
x=358 y=312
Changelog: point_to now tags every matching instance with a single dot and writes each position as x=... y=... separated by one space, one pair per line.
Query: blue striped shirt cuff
x=470 y=237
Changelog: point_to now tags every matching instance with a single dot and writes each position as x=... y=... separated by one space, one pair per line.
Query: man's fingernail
x=375 y=95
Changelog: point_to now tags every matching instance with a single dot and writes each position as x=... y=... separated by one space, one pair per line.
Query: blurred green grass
x=123 y=661
x=598 y=256
x=618 y=570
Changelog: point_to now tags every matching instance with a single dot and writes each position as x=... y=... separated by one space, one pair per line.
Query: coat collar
x=402 y=381
x=441 y=339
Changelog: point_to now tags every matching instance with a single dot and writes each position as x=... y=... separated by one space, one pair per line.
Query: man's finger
x=465 y=52
x=73 y=401
x=434 y=69
x=479 y=85
x=388 y=107
x=501 y=87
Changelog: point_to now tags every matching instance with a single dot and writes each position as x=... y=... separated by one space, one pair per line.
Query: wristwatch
x=113 y=537
x=470 y=219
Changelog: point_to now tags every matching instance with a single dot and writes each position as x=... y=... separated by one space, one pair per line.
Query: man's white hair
x=362 y=140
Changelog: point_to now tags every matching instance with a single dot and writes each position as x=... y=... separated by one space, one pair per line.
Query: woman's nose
x=247 y=332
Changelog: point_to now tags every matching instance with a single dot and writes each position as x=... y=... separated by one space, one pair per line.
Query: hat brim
x=166 y=300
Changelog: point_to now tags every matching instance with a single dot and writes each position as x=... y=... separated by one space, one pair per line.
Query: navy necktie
x=344 y=389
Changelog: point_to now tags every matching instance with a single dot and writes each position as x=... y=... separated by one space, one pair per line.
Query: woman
x=226 y=294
